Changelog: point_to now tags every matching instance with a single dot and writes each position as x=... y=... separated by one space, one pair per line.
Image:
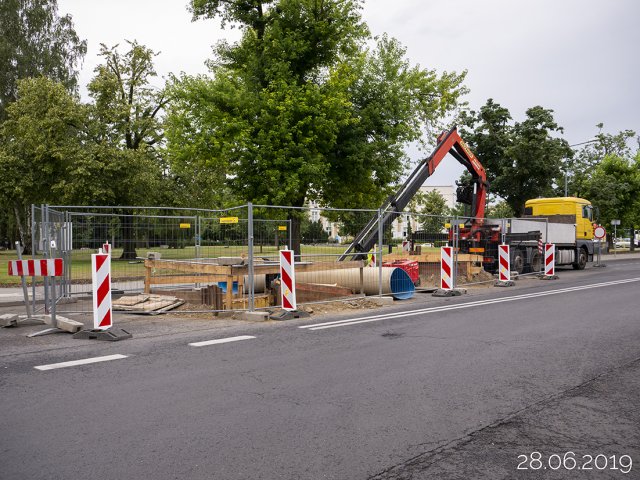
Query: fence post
x=33 y=253
x=379 y=252
x=197 y=239
x=456 y=235
x=251 y=279
x=45 y=252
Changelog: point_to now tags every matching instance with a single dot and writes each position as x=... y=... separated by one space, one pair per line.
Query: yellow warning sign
x=282 y=228
x=228 y=219
x=185 y=225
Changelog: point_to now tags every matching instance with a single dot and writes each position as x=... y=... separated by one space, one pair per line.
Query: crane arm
x=448 y=142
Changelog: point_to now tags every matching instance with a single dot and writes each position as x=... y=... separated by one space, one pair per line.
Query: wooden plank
x=189 y=266
x=229 y=292
x=130 y=300
x=171 y=279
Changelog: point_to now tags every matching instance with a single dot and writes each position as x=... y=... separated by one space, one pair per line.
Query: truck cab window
x=587 y=212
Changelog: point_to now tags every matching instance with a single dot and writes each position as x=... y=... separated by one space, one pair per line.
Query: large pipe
x=395 y=281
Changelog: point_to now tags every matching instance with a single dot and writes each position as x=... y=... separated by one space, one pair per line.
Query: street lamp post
x=566 y=170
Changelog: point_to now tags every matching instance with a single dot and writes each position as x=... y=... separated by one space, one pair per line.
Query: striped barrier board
x=549 y=259
x=287 y=281
x=446 y=268
x=50 y=267
x=504 y=274
x=101 y=279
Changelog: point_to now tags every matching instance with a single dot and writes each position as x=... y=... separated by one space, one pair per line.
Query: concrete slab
x=68 y=325
x=255 y=316
x=9 y=320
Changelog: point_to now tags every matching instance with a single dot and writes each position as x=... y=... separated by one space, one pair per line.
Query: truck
x=566 y=221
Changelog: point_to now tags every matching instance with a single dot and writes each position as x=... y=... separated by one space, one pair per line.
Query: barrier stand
x=10 y=319
x=50 y=267
x=549 y=262
x=288 y=288
x=504 y=267
x=446 y=275
x=102 y=311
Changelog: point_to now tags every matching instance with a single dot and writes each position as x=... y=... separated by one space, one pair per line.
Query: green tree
x=499 y=209
x=522 y=159
x=38 y=142
x=614 y=187
x=312 y=232
x=586 y=159
x=35 y=41
x=434 y=205
x=299 y=108
x=126 y=129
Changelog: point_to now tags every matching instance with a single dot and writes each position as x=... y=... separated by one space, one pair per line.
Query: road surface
x=457 y=388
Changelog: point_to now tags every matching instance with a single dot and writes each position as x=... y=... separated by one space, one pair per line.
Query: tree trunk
x=128 y=236
x=632 y=239
x=294 y=217
x=23 y=233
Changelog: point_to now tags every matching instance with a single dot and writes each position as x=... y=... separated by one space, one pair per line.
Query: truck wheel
x=517 y=262
x=582 y=260
x=536 y=262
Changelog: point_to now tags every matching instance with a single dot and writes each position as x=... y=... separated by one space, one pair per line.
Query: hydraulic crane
x=474 y=194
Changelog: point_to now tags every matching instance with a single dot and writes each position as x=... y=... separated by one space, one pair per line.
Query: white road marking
x=220 y=340
x=377 y=318
x=85 y=361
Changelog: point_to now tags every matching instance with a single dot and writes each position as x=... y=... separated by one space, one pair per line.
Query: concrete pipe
x=395 y=281
x=259 y=283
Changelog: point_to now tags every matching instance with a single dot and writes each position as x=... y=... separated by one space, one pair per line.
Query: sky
x=579 y=58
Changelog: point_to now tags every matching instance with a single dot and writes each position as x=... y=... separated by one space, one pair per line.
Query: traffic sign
x=599 y=232
x=615 y=222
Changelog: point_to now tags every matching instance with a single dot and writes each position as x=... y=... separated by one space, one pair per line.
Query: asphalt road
x=454 y=388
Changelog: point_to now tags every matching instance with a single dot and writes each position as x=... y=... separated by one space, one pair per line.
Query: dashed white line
x=84 y=361
x=221 y=340
x=387 y=316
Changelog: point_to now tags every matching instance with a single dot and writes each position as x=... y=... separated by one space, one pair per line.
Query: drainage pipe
x=395 y=281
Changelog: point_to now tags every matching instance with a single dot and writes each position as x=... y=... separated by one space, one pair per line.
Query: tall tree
x=36 y=41
x=434 y=208
x=300 y=109
x=586 y=159
x=523 y=159
x=38 y=142
x=127 y=128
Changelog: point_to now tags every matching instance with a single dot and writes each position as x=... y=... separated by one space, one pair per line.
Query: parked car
x=623 y=243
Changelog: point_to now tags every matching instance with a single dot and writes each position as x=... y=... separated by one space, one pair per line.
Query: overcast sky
x=578 y=57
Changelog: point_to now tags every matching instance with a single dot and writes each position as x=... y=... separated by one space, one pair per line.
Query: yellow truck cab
x=567 y=210
x=580 y=210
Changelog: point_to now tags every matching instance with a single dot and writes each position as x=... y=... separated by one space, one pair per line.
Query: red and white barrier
x=287 y=280
x=51 y=267
x=446 y=268
x=504 y=261
x=101 y=278
x=106 y=248
x=549 y=259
